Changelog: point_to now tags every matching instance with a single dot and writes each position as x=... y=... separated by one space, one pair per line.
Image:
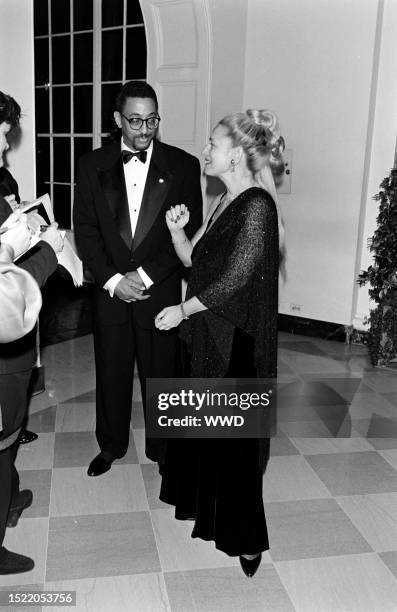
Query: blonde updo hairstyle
x=258 y=133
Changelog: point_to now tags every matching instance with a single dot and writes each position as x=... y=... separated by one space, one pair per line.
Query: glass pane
x=40 y=8
x=112 y=55
x=81 y=146
x=112 y=13
x=42 y=104
x=41 y=67
x=82 y=14
x=60 y=16
x=82 y=64
x=83 y=108
x=136 y=61
x=109 y=93
x=62 y=207
x=61 y=59
x=61 y=110
x=134 y=13
x=42 y=165
x=62 y=159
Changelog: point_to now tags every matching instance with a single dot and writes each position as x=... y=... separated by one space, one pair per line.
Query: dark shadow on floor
x=66 y=311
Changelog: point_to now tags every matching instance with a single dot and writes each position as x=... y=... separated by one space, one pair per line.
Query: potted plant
x=382 y=276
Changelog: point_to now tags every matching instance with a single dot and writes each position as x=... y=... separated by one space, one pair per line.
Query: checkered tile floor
x=330 y=495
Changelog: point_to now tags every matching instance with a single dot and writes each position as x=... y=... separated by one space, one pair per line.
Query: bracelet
x=179 y=241
x=184 y=315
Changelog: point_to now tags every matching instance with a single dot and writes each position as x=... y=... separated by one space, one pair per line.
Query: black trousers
x=13 y=400
x=116 y=349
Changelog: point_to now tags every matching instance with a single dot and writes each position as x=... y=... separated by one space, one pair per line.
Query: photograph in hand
x=40 y=216
x=40 y=210
x=42 y=206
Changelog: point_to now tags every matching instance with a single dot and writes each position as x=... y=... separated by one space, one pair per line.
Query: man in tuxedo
x=123 y=192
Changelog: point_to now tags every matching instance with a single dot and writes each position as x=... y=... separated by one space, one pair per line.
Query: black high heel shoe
x=249 y=566
x=27 y=436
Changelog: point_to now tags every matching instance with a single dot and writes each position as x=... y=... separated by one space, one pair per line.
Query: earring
x=233 y=165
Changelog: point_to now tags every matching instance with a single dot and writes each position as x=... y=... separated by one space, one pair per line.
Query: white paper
x=45 y=201
x=68 y=257
x=69 y=260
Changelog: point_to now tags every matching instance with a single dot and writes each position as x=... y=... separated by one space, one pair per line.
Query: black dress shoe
x=12 y=563
x=99 y=466
x=249 y=566
x=27 y=436
x=24 y=500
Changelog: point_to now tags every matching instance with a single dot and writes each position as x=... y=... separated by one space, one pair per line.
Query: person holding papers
x=18 y=339
x=10 y=192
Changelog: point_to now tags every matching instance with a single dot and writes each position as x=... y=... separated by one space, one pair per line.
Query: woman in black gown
x=229 y=326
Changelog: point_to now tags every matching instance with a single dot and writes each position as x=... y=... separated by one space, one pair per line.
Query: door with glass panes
x=84 y=51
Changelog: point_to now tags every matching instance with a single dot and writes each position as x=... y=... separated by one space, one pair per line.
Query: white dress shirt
x=135 y=174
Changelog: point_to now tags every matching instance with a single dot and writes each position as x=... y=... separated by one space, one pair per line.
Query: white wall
x=228 y=33
x=381 y=143
x=311 y=61
x=228 y=30
x=17 y=79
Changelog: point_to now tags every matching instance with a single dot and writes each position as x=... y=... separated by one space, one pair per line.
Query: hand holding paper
x=53 y=237
x=35 y=221
x=15 y=233
x=66 y=255
x=11 y=201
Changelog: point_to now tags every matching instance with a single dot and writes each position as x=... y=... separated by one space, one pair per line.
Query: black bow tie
x=127 y=155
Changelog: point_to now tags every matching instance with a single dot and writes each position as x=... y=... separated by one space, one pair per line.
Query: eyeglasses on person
x=136 y=122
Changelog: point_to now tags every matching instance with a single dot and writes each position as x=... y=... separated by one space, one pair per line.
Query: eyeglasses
x=136 y=122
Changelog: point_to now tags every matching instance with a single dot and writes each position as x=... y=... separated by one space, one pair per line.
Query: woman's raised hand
x=177 y=217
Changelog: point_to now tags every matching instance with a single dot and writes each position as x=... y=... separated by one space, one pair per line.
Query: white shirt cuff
x=111 y=284
x=147 y=281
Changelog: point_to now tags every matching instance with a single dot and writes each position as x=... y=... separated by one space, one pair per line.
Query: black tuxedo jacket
x=103 y=231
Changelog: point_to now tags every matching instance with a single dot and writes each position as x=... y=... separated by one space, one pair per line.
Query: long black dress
x=218 y=482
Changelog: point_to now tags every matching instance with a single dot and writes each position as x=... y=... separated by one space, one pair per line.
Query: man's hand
x=126 y=290
x=53 y=237
x=135 y=280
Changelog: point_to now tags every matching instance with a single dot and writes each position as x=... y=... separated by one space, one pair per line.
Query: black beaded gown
x=218 y=482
